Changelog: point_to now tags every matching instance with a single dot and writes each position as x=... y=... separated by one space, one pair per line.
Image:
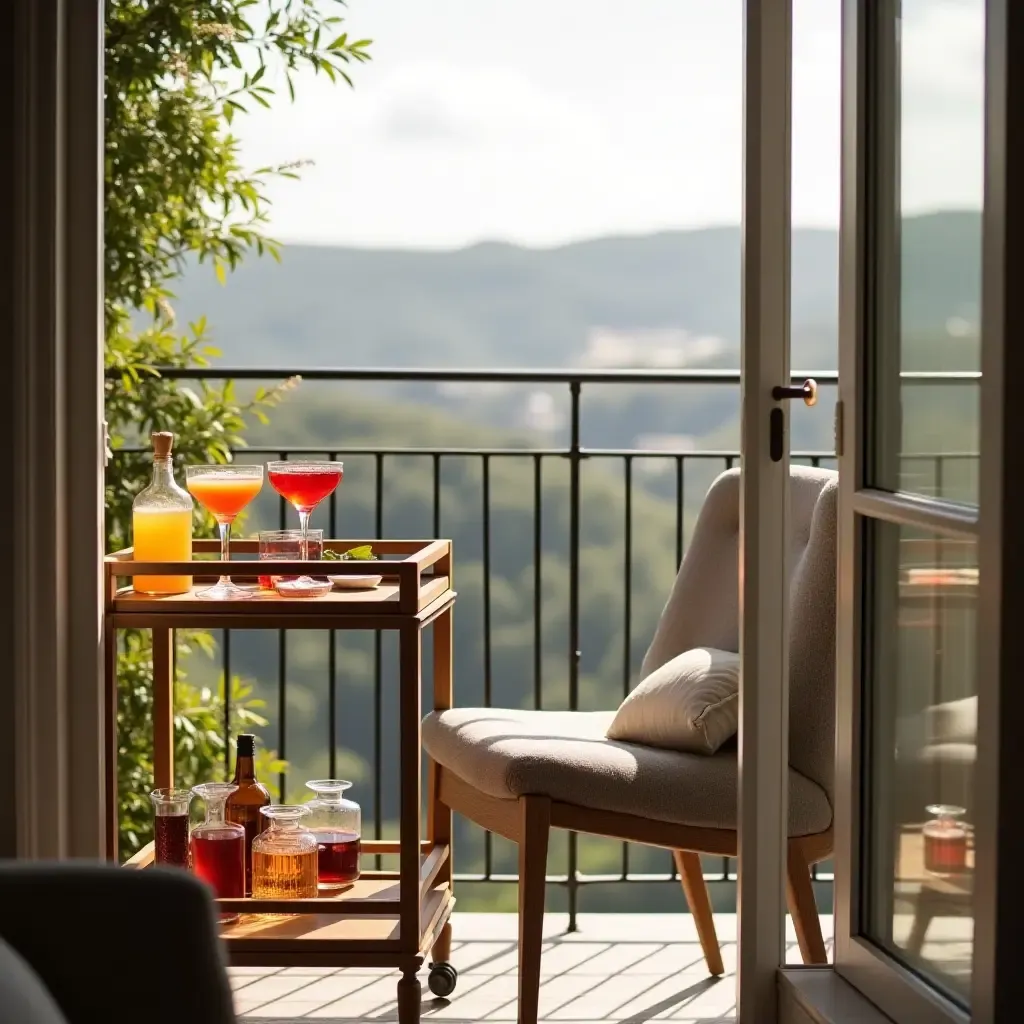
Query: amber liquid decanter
x=284 y=857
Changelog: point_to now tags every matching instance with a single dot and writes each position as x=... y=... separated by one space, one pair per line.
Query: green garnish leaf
x=363 y=553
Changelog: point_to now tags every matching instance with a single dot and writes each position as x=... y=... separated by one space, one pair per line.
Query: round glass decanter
x=218 y=846
x=284 y=858
x=337 y=825
x=945 y=840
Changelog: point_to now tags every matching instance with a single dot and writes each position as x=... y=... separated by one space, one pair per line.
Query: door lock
x=808 y=391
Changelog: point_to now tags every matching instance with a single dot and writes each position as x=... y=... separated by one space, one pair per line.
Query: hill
x=504 y=305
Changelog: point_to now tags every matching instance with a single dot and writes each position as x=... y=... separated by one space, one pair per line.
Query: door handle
x=808 y=391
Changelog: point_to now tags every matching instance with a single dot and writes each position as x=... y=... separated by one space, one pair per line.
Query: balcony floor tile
x=617 y=969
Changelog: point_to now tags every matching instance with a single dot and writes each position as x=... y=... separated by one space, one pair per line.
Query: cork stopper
x=163 y=441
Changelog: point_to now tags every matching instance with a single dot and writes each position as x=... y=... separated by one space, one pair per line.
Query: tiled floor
x=617 y=969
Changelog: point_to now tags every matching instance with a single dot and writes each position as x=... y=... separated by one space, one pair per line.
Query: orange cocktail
x=224 y=496
x=224 y=491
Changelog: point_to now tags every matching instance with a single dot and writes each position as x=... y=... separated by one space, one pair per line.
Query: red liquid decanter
x=945 y=840
x=218 y=846
x=337 y=824
x=170 y=826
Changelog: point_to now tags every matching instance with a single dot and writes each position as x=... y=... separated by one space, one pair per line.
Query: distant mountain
x=496 y=304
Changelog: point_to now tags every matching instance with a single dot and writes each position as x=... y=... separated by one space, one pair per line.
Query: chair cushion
x=567 y=756
x=691 y=703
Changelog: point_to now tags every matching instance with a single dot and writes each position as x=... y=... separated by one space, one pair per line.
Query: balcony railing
x=358 y=722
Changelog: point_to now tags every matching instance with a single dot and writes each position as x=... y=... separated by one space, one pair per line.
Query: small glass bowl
x=299 y=588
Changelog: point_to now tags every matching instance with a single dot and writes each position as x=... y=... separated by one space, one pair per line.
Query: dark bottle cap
x=246 y=745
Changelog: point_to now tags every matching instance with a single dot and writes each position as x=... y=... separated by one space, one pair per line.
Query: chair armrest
x=111 y=944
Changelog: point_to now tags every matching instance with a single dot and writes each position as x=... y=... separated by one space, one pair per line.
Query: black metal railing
x=689 y=473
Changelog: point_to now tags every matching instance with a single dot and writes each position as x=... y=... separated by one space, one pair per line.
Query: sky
x=547 y=121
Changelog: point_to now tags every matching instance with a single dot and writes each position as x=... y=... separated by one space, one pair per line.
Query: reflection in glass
x=926 y=354
x=923 y=707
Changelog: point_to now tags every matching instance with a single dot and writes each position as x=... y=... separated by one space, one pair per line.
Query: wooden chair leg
x=802 y=907
x=696 y=891
x=534 y=826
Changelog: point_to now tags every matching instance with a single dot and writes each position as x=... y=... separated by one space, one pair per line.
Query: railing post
x=574 y=605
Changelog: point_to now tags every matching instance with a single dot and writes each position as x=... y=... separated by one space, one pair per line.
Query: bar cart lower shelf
x=385 y=919
x=358 y=927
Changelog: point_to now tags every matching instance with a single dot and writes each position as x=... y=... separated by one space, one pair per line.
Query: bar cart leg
x=409 y=997
x=443 y=977
x=163 y=707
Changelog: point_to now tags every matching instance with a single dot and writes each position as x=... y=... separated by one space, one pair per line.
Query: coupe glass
x=224 y=491
x=304 y=484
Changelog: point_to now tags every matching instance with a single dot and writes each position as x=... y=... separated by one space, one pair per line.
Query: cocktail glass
x=224 y=491
x=304 y=484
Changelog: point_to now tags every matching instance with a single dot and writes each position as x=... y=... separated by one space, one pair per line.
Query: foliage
x=177 y=74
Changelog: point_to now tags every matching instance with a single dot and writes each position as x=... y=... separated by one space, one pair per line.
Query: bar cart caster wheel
x=442 y=980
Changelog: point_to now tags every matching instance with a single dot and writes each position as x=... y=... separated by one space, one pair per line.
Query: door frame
x=764 y=510
x=997 y=984
x=51 y=694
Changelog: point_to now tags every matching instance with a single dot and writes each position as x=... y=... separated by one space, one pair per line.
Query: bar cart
x=386 y=919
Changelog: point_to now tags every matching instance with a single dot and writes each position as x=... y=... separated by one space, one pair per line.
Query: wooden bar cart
x=386 y=919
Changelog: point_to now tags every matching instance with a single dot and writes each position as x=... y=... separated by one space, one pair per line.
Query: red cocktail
x=304 y=484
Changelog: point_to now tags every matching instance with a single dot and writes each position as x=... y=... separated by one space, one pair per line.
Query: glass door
x=909 y=833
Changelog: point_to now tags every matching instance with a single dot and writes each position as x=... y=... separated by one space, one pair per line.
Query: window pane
x=927 y=258
x=922 y=708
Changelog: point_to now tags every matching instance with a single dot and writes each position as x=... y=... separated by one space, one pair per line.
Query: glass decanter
x=337 y=825
x=284 y=857
x=218 y=846
x=945 y=840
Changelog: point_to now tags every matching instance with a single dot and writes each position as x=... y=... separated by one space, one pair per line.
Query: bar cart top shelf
x=416 y=578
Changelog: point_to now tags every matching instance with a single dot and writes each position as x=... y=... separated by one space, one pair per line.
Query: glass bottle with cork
x=251 y=796
x=162 y=522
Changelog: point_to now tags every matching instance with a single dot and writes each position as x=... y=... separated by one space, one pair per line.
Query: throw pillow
x=690 y=704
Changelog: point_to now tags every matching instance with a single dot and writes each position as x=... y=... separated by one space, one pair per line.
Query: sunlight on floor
x=617 y=969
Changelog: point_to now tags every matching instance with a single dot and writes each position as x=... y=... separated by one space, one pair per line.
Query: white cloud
x=441 y=104
x=560 y=119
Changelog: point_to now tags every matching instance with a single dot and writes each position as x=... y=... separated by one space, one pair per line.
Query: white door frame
x=51 y=690
x=998 y=982
x=764 y=604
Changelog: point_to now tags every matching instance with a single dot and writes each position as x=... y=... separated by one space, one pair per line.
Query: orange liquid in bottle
x=162 y=535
